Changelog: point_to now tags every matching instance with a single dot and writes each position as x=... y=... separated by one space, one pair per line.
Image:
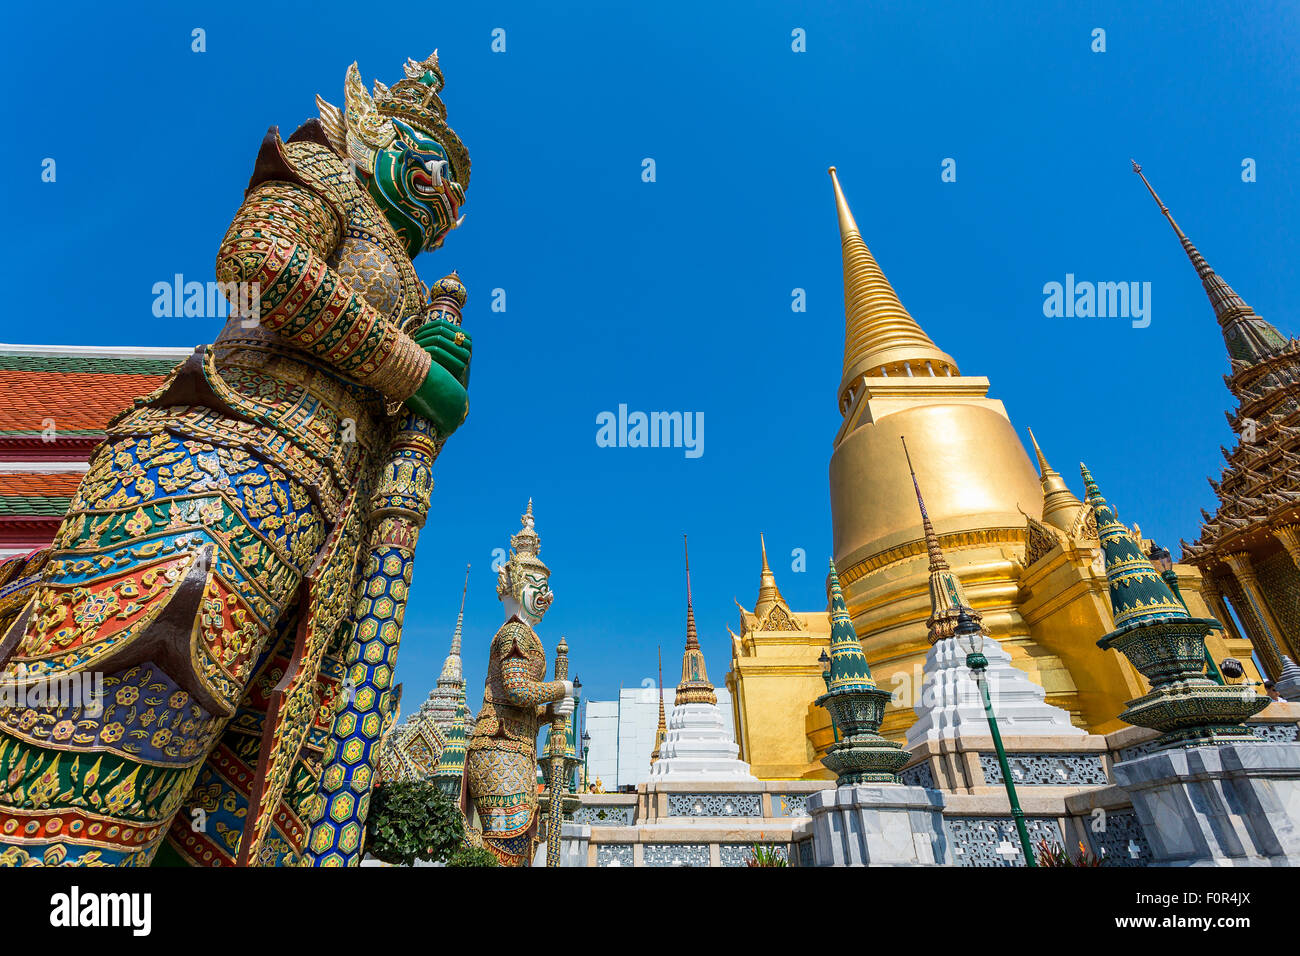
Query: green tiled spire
x=849 y=669
x=1166 y=645
x=1137 y=592
x=856 y=705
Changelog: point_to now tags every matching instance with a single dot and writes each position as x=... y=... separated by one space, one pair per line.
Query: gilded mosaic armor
x=207 y=563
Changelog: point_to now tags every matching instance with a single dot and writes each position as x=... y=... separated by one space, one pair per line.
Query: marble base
x=885 y=825
x=1232 y=805
x=574 y=840
x=951 y=704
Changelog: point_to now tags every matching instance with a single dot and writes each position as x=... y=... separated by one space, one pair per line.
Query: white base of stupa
x=698 y=747
x=951 y=704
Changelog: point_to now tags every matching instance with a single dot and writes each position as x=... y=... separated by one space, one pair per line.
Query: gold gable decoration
x=1039 y=540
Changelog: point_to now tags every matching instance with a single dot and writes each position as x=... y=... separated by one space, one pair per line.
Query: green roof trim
x=35 y=506
x=75 y=363
x=63 y=433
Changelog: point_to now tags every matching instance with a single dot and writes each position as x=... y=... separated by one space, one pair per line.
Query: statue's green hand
x=450 y=346
x=443 y=397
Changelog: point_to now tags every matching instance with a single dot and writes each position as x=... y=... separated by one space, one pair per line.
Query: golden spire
x=692 y=639
x=1060 y=505
x=768 y=594
x=937 y=560
x=1248 y=336
x=695 y=687
x=880 y=336
x=662 y=730
x=947 y=597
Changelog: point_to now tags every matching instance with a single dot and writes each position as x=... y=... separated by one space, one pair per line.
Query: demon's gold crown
x=364 y=124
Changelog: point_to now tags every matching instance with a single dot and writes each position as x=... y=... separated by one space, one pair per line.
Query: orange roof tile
x=76 y=401
x=60 y=485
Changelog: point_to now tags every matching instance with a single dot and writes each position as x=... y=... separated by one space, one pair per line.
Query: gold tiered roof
x=695 y=687
x=880 y=336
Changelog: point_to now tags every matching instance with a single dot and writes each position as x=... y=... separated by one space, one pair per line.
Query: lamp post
x=586 y=748
x=825 y=662
x=970 y=636
x=1163 y=562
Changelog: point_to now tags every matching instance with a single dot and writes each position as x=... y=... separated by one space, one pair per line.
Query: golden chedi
x=1023 y=545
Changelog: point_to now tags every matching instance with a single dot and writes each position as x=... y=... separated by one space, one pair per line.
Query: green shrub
x=413 y=820
x=472 y=856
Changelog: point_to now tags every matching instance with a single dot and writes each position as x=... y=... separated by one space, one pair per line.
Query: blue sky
x=675 y=295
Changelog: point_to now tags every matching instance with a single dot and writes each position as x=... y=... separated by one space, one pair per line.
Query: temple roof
x=55 y=402
x=80 y=388
x=1260 y=485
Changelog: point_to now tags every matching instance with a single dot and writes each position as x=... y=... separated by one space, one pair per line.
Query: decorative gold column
x=1218 y=605
x=1289 y=535
x=1244 y=572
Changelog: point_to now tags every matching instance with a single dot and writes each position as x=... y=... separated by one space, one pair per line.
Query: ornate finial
x=1043 y=467
x=937 y=560
x=1091 y=491
x=769 y=595
x=947 y=597
x=880 y=336
x=460 y=615
x=1248 y=337
x=661 y=730
x=1060 y=506
x=451 y=675
x=1163 y=208
x=692 y=640
x=451 y=288
x=695 y=687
